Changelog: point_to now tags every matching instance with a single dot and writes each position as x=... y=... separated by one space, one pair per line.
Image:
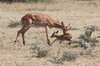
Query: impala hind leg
x=22 y=31
x=53 y=41
x=18 y=33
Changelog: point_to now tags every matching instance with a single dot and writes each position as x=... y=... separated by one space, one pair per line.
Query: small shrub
x=34 y=47
x=66 y=56
x=73 y=28
x=39 y=49
x=94 y=40
x=85 y=40
x=89 y=50
x=42 y=52
x=85 y=44
x=69 y=55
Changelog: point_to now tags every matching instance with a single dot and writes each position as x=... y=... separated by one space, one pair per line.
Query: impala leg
x=22 y=31
x=53 y=41
x=48 y=41
x=69 y=42
x=25 y=29
x=60 y=41
x=23 y=38
x=18 y=33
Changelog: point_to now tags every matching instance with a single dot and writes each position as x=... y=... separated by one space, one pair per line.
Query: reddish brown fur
x=37 y=19
x=65 y=36
x=40 y=20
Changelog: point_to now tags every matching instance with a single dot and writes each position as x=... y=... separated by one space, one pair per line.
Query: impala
x=37 y=19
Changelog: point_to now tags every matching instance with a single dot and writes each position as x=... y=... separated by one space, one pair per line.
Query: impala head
x=65 y=28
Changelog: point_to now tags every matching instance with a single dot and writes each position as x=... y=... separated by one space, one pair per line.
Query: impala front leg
x=48 y=41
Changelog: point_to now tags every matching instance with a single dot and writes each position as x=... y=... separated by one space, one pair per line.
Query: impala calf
x=40 y=20
x=62 y=37
x=65 y=36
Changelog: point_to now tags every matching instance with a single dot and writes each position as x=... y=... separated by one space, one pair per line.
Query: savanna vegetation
x=83 y=17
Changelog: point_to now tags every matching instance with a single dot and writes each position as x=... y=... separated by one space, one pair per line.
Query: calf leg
x=53 y=41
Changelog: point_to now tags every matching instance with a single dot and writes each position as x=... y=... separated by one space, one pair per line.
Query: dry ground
x=79 y=14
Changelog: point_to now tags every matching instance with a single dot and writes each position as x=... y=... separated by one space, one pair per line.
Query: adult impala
x=37 y=19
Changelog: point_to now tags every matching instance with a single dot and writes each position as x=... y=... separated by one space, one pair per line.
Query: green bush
x=42 y=53
x=14 y=24
x=73 y=28
x=65 y=56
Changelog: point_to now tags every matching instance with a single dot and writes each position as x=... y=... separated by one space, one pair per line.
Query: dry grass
x=79 y=14
x=57 y=5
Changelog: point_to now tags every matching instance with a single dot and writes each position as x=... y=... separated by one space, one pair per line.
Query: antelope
x=38 y=19
x=65 y=36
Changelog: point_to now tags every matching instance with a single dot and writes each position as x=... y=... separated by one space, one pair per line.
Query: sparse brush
x=69 y=55
x=88 y=50
x=34 y=47
x=14 y=24
x=42 y=52
x=86 y=40
x=73 y=28
x=85 y=44
x=94 y=40
x=82 y=36
x=66 y=56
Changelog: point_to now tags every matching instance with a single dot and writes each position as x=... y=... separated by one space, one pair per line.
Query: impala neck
x=58 y=26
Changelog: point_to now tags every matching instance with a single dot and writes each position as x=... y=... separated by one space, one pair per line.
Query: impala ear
x=62 y=23
x=53 y=34
x=66 y=28
x=57 y=32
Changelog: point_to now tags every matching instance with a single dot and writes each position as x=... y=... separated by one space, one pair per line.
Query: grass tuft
x=66 y=56
x=14 y=24
x=73 y=28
